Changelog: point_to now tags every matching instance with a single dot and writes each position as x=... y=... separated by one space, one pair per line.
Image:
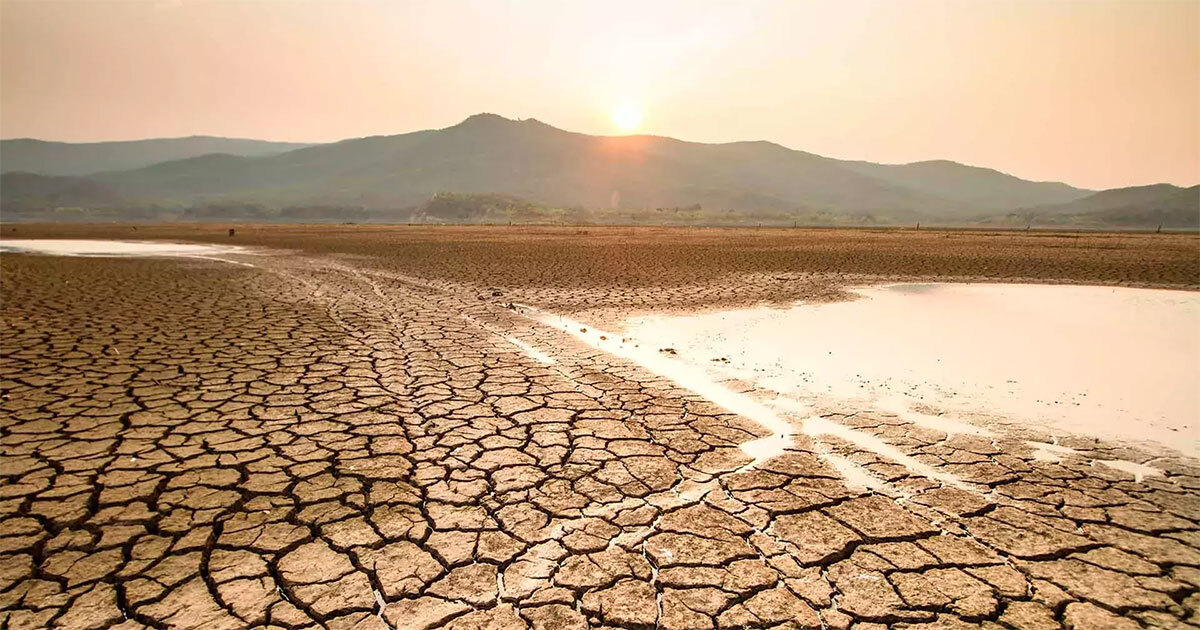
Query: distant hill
x=51 y=190
x=983 y=188
x=68 y=158
x=611 y=178
x=1140 y=206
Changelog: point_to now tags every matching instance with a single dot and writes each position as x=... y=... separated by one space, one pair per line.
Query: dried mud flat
x=361 y=432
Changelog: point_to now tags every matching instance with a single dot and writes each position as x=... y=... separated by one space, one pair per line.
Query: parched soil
x=573 y=268
x=344 y=436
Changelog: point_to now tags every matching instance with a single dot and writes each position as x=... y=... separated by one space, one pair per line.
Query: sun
x=627 y=117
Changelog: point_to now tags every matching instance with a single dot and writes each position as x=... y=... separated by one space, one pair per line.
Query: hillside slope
x=984 y=188
x=1142 y=206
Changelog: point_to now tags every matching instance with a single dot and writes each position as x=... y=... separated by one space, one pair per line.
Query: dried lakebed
x=312 y=443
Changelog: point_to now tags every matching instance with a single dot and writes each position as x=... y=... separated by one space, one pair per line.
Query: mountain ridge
x=1164 y=205
x=51 y=157
x=488 y=154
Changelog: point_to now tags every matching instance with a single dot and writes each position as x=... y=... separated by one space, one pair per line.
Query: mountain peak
x=490 y=120
x=484 y=118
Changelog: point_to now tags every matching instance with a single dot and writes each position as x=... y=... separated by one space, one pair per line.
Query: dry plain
x=348 y=430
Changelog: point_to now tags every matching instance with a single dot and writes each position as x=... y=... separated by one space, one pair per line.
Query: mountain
x=68 y=158
x=538 y=164
x=52 y=190
x=980 y=187
x=1143 y=206
x=528 y=159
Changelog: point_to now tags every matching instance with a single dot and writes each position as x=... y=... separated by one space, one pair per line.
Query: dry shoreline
x=609 y=273
x=646 y=256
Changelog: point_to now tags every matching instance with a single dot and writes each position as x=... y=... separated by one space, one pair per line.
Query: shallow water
x=76 y=247
x=1114 y=363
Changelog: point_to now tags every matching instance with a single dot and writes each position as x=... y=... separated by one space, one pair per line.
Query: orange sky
x=1095 y=93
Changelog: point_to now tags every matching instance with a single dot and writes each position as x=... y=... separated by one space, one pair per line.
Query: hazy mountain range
x=495 y=168
x=65 y=158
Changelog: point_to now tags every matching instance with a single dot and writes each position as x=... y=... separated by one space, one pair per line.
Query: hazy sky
x=1096 y=93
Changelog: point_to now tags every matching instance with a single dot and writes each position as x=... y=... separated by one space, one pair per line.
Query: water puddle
x=103 y=248
x=1114 y=363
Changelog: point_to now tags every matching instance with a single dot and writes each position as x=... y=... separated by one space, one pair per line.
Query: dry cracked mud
x=313 y=442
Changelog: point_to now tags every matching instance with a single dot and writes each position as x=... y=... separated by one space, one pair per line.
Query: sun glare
x=627 y=118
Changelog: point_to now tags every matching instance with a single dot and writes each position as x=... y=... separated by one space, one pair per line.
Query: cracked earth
x=310 y=442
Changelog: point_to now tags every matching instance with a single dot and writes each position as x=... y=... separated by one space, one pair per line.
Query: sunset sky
x=1098 y=94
